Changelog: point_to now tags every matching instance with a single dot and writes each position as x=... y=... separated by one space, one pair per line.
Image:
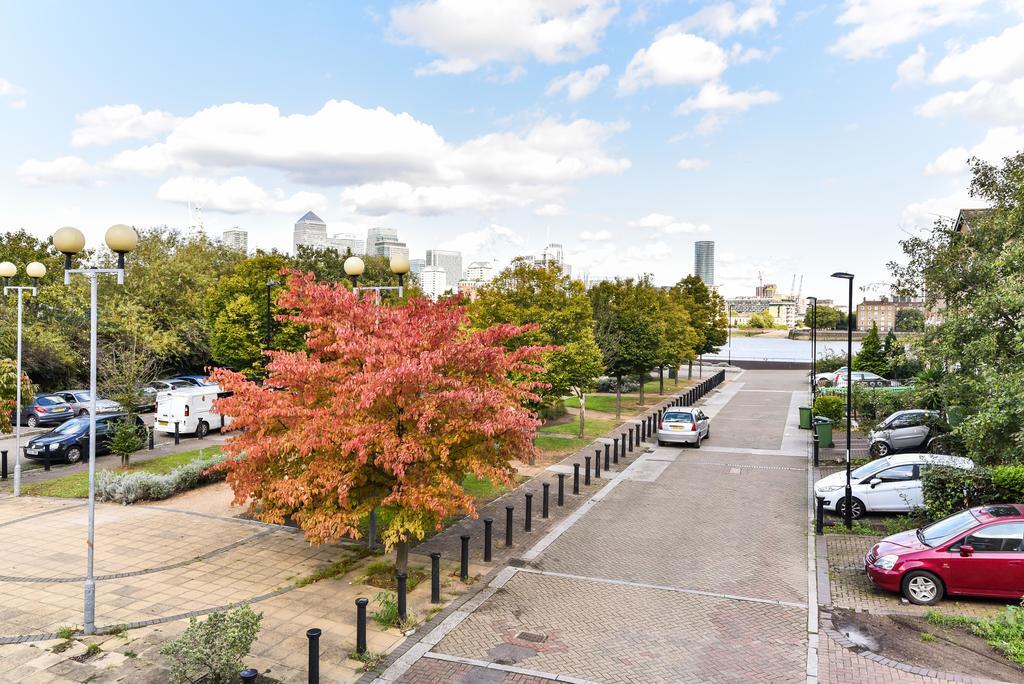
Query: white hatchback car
x=683 y=425
x=891 y=484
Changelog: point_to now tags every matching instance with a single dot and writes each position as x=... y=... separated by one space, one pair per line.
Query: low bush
x=608 y=385
x=212 y=650
x=1008 y=481
x=129 y=487
x=830 y=361
x=872 y=404
x=1004 y=632
x=949 y=490
x=552 y=410
x=833 y=408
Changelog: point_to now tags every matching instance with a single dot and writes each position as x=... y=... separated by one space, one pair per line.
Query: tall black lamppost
x=814 y=347
x=848 y=503
x=270 y=284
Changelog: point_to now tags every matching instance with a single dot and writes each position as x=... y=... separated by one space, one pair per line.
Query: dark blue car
x=70 y=441
x=45 y=409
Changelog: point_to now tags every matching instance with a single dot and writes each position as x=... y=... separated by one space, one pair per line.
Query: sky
x=802 y=137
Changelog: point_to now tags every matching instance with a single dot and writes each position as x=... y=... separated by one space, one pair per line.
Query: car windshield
x=869 y=468
x=82 y=396
x=49 y=401
x=947 y=528
x=678 y=418
x=72 y=426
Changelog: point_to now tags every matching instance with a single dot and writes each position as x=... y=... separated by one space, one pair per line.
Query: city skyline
x=633 y=125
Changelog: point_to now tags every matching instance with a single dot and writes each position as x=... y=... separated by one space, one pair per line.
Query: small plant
x=120 y=631
x=381 y=574
x=336 y=569
x=67 y=631
x=63 y=646
x=387 y=614
x=92 y=650
x=942 y=620
x=927 y=636
x=369 y=659
x=213 y=649
x=131 y=654
x=126 y=438
x=858 y=528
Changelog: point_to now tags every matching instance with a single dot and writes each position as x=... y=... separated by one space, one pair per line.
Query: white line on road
x=753 y=452
x=507 y=668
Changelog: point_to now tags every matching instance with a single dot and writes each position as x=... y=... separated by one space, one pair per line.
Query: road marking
x=662 y=587
x=754 y=452
x=740 y=465
x=506 y=668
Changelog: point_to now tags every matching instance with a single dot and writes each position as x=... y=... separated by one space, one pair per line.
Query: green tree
x=546 y=297
x=909 y=320
x=126 y=437
x=828 y=317
x=763 y=320
x=680 y=340
x=236 y=337
x=871 y=358
x=707 y=316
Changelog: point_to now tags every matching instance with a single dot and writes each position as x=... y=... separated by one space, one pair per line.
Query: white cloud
x=664 y=223
x=880 y=24
x=998 y=143
x=148 y=160
x=995 y=102
x=469 y=34
x=550 y=209
x=488 y=242
x=996 y=58
x=104 y=125
x=741 y=55
x=716 y=97
x=925 y=213
x=912 y=69
x=70 y=170
x=579 y=84
x=387 y=197
x=596 y=236
x=692 y=164
x=236 y=195
x=674 y=59
x=15 y=92
x=723 y=20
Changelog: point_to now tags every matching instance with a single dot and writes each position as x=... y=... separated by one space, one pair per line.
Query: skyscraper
x=236 y=239
x=346 y=242
x=310 y=231
x=451 y=262
x=433 y=280
x=416 y=266
x=381 y=241
x=704 y=261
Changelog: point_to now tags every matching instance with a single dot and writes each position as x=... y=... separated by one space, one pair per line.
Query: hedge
x=129 y=487
x=833 y=408
x=949 y=490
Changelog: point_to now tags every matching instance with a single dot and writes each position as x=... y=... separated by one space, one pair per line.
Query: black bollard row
x=508 y=525
x=464 y=558
x=586 y=471
x=607 y=454
x=177 y=434
x=615 y=450
x=546 y=487
x=488 y=523
x=361 y=625
x=597 y=464
x=819 y=516
x=314 y=655
x=152 y=438
x=435 y=577
x=817 y=448
x=529 y=511
x=561 y=489
x=575 y=478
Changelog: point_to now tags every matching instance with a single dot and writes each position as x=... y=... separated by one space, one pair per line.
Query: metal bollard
x=642 y=437
x=607 y=454
x=586 y=471
x=529 y=511
x=402 y=579
x=819 y=516
x=177 y=434
x=222 y=422
x=488 y=522
x=314 y=655
x=546 y=487
x=152 y=438
x=249 y=676
x=597 y=464
x=46 y=461
x=575 y=478
x=817 y=448
x=435 y=577
x=464 y=558
x=615 y=450
x=361 y=625
x=3 y=464
x=630 y=433
x=508 y=525
x=623 y=449
x=561 y=489
x=199 y=431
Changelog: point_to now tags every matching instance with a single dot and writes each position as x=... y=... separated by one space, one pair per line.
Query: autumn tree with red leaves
x=389 y=406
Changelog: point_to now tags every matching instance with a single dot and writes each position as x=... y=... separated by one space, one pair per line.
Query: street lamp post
x=848 y=507
x=814 y=347
x=69 y=241
x=270 y=284
x=35 y=271
x=730 y=334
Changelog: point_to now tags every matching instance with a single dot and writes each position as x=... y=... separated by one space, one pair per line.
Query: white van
x=191 y=408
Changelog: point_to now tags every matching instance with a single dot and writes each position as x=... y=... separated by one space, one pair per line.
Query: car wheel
x=696 y=445
x=202 y=430
x=73 y=455
x=922 y=588
x=32 y=422
x=660 y=443
x=880 y=449
x=856 y=508
x=83 y=412
x=707 y=434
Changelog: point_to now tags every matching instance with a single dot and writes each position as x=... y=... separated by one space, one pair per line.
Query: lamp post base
x=90 y=606
x=17 y=479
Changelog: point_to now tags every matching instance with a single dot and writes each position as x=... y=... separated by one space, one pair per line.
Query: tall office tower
x=310 y=231
x=236 y=239
x=552 y=254
x=382 y=241
x=346 y=242
x=451 y=262
x=704 y=260
x=433 y=280
x=416 y=266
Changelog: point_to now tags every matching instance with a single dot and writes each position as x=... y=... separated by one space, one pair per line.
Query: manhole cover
x=532 y=637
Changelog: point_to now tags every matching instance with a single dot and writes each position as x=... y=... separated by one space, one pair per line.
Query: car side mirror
x=966 y=551
x=875 y=482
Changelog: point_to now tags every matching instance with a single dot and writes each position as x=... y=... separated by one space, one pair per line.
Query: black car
x=45 y=409
x=70 y=441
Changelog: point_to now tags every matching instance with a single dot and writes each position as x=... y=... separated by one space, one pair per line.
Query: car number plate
x=161 y=423
x=32 y=451
x=675 y=427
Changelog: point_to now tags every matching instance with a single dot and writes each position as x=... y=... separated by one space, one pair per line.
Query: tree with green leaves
x=236 y=342
x=909 y=320
x=827 y=317
x=871 y=358
x=707 y=316
x=547 y=298
x=762 y=321
x=680 y=340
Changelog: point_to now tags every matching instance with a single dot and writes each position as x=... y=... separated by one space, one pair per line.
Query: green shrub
x=948 y=490
x=387 y=615
x=830 y=361
x=126 y=438
x=129 y=487
x=1008 y=481
x=833 y=408
x=212 y=651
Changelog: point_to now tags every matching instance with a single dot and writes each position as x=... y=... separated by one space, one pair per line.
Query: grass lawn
x=77 y=486
x=592 y=428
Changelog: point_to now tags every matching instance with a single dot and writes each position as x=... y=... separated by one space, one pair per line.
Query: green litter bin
x=823 y=426
x=805 y=417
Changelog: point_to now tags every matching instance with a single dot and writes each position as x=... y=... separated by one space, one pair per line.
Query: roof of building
x=311 y=217
x=967 y=216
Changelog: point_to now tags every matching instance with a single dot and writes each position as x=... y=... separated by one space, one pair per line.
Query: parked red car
x=977 y=552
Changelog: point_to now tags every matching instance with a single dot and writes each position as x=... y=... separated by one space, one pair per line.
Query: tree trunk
x=661 y=380
x=583 y=411
x=402 y=556
x=618 y=396
x=642 y=378
x=689 y=369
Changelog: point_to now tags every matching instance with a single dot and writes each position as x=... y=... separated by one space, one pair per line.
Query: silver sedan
x=684 y=425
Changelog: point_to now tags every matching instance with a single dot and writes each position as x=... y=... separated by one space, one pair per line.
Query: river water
x=779 y=349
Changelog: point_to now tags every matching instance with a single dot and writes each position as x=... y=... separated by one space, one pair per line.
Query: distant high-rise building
x=768 y=290
x=480 y=271
x=310 y=231
x=451 y=262
x=434 y=281
x=381 y=241
x=416 y=266
x=236 y=239
x=552 y=254
x=704 y=260
x=346 y=242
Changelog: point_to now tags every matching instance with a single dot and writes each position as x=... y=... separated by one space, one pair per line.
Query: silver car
x=904 y=430
x=79 y=400
x=684 y=425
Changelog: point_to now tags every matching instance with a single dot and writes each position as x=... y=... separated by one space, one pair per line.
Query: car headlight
x=886 y=562
x=830 y=488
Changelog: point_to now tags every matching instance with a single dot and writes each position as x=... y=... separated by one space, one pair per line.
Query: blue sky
x=802 y=137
